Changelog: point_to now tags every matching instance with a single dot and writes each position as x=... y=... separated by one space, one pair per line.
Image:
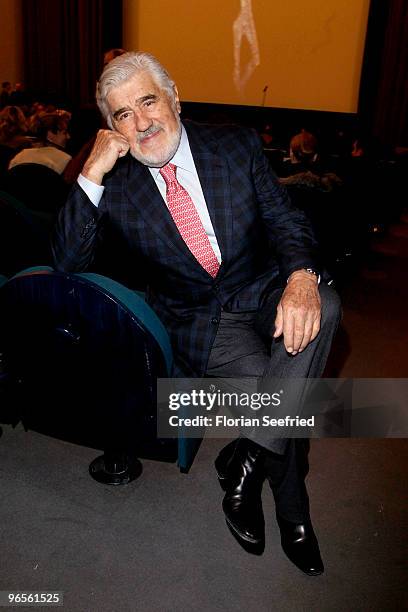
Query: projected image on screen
x=292 y=54
x=244 y=26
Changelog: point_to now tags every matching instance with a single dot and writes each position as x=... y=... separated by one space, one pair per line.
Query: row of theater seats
x=368 y=199
x=79 y=358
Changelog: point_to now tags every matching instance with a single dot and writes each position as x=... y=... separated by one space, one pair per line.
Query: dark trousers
x=244 y=348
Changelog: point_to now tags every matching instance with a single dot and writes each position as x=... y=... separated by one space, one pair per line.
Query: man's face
x=149 y=120
x=61 y=138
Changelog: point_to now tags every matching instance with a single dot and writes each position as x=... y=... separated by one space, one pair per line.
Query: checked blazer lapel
x=214 y=177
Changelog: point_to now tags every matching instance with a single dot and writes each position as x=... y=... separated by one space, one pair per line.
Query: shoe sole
x=308 y=573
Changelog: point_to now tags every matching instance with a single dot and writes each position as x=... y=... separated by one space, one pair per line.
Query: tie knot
x=168 y=172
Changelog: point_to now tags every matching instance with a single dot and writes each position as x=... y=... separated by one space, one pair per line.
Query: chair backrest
x=40 y=188
x=88 y=353
x=24 y=240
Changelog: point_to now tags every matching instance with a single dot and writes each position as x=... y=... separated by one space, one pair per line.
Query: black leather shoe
x=223 y=462
x=242 y=503
x=300 y=545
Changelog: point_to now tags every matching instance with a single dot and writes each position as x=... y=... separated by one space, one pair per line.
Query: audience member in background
x=53 y=135
x=358 y=165
x=266 y=135
x=5 y=94
x=109 y=55
x=303 y=150
x=358 y=148
x=19 y=96
x=273 y=152
x=13 y=128
x=304 y=168
x=36 y=111
x=341 y=144
x=315 y=191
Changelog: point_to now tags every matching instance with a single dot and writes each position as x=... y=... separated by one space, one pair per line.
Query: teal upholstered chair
x=87 y=352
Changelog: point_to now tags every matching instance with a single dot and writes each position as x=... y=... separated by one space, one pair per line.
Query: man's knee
x=331 y=305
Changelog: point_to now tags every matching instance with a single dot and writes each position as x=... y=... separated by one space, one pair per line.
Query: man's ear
x=177 y=99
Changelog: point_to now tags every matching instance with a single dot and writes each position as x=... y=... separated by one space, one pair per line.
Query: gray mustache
x=151 y=130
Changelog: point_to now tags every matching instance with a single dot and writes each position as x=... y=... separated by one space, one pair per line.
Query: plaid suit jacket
x=262 y=238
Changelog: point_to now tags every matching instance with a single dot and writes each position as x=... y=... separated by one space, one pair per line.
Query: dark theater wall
x=64 y=42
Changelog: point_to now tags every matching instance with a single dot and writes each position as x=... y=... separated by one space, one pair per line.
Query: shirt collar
x=182 y=158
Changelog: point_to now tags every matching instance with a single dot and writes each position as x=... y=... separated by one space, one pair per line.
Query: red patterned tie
x=188 y=222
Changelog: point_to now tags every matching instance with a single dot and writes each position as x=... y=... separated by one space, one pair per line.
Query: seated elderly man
x=198 y=208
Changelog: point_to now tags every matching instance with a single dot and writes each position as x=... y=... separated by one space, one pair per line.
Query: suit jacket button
x=214 y=321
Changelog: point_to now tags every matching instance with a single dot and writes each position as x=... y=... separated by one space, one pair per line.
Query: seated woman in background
x=53 y=135
x=303 y=149
x=304 y=168
x=303 y=154
x=13 y=128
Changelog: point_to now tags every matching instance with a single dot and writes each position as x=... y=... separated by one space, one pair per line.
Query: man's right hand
x=108 y=147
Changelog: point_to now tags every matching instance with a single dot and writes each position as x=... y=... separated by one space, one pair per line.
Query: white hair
x=123 y=68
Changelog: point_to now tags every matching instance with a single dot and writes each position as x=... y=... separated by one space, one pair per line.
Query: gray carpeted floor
x=161 y=543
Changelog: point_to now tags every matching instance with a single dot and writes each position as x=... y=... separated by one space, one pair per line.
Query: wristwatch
x=310 y=271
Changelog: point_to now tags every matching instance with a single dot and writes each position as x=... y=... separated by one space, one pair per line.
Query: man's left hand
x=299 y=312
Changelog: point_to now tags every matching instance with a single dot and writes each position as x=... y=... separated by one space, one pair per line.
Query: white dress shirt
x=187 y=177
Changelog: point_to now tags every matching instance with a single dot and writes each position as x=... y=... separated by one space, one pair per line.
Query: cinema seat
x=24 y=239
x=85 y=352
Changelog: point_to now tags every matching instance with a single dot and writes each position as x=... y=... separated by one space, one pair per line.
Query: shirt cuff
x=92 y=190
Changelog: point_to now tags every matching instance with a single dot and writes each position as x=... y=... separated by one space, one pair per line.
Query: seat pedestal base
x=115 y=469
